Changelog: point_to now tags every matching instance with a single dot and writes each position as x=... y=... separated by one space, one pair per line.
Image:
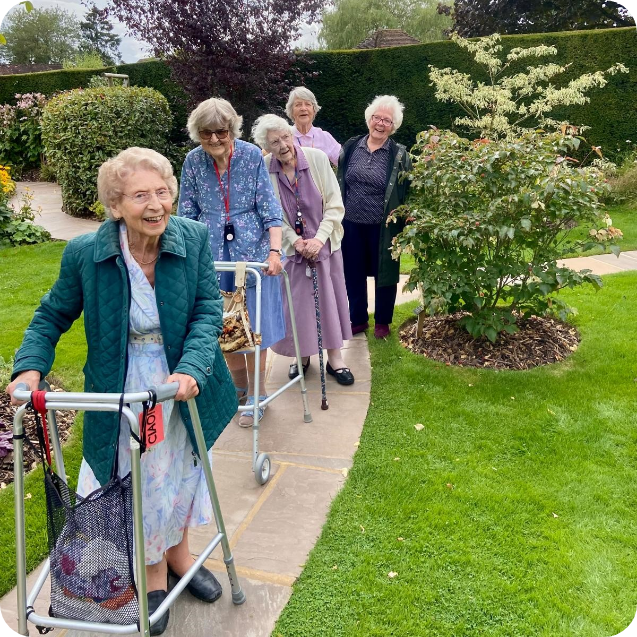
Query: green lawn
x=25 y=275
x=624 y=217
x=515 y=504
x=512 y=513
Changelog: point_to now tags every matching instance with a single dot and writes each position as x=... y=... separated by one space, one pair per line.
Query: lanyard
x=224 y=194
x=299 y=225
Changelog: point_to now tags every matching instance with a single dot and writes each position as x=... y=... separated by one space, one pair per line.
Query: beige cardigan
x=333 y=210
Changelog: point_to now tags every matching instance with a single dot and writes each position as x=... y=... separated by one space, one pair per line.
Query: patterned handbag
x=237 y=334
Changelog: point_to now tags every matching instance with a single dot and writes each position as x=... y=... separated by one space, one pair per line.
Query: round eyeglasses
x=163 y=194
x=221 y=134
x=382 y=120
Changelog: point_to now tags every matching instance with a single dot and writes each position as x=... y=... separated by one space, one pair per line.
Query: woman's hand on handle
x=30 y=378
x=188 y=387
x=312 y=249
x=274 y=263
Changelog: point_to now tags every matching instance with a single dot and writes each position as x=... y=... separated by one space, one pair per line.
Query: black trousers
x=360 y=259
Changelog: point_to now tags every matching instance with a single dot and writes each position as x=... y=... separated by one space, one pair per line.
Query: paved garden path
x=271 y=528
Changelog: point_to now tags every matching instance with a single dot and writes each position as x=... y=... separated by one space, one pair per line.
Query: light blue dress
x=174 y=490
x=254 y=209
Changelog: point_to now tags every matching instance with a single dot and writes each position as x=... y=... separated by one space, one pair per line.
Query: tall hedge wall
x=348 y=80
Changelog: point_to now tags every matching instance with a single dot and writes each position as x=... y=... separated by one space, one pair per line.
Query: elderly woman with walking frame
x=305 y=184
x=369 y=174
x=225 y=184
x=146 y=284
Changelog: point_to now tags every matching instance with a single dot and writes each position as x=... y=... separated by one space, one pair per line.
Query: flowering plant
x=7 y=185
x=488 y=221
x=20 y=132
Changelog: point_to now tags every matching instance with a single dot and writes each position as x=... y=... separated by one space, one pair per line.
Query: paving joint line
x=247 y=454
x=267 y=577
x=267 y=492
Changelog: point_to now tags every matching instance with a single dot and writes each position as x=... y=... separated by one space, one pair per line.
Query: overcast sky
x=131 y=49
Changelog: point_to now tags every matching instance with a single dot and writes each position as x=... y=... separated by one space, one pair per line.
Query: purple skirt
x=335 y=323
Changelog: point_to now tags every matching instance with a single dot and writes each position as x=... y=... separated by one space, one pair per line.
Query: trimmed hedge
x=81 y=129
x=348 y=80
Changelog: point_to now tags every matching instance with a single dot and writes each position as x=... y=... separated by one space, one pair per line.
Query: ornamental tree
x=512 y=100
x=489 y=219
x=229 y=48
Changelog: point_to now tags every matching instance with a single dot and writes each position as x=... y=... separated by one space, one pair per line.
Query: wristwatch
x=279 y=252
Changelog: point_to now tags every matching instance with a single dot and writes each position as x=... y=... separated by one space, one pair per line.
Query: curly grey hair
x=214 y=113
x=389 y=102
x=301 y=93
x=114 y=170
x=266 y=124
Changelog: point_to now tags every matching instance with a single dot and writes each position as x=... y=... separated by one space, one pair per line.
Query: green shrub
x=488 y=221
x=20 y=133
x=81 y=129
x=17 y=227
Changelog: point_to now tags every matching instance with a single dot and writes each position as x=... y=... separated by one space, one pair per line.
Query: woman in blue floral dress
x=225 y=184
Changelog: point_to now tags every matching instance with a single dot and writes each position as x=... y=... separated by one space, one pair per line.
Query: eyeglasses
x=384 y=120
x=207 y=134
x=163 y=194
x=284 y=139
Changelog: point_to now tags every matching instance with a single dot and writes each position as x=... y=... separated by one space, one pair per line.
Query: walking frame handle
x=163 y=392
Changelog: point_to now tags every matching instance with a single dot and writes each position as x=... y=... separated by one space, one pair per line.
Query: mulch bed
x=540 y=341
x=64 y=421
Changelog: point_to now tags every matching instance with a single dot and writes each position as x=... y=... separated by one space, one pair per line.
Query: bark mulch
x=64 y=421
x=540 y=341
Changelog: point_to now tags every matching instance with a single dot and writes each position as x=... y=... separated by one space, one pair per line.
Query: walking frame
x=110 y=402
x=261 y=463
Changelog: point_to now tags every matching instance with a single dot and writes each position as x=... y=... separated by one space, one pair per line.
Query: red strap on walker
x=39 y=405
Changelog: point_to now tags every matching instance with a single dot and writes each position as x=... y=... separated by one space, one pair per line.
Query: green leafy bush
x=20 y=133
x=17 y=227
x=83 y=128
x=488 y=220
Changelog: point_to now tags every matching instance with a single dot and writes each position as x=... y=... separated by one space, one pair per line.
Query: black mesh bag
x=90 y=546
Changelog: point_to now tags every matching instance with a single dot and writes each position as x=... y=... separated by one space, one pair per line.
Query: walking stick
x=319 y=333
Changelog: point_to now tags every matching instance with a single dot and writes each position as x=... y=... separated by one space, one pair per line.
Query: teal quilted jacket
x=93 y=279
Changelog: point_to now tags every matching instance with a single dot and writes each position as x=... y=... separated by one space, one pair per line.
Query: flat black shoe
x=155 y=599
x=294 y=369
x=343 y=375
x=204 y=585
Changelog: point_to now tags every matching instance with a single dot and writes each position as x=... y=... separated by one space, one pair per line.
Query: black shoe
x=155 y=599
x=204 y=585
x=343 y=375
x=294 y=369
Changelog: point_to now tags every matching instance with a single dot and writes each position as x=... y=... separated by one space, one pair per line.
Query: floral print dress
x=174 y=490
x=254 y=209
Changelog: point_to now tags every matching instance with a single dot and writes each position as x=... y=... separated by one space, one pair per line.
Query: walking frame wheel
x=262 y=468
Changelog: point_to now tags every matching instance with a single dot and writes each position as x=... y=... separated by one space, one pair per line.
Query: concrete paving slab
x=623 y=261
x=255 y=618
x=48 y=197
x=296 y=508
x=9 y=606
x=591 y=263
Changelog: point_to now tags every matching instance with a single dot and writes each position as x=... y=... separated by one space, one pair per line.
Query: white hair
x=389 y=102
x=301 y=93
x=214 y=113
x=266 y=124
x=114 y=170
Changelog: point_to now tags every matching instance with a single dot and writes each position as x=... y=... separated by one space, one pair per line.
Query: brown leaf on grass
x=450 y=486
x=335 y=567
x=362 y=528
x=27 y=496
x=555 y=515
x=419 y=426
x=391 y=574
x=401 y=539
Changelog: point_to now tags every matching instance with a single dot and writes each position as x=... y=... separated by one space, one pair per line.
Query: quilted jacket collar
x=107 y=241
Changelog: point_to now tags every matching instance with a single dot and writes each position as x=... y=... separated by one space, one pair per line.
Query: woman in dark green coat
x=146 y=284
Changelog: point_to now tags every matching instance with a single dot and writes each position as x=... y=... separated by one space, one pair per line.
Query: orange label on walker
x=153 y=428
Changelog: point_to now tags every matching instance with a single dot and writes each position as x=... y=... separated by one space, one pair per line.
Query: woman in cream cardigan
x=307 y=188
